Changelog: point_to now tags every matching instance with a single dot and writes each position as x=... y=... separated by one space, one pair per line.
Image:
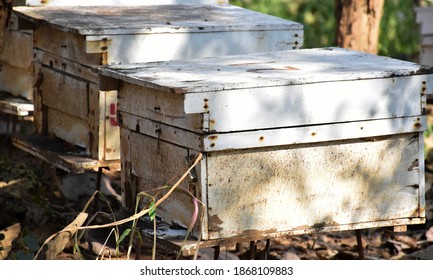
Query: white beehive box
x=424 y=16
x=292 y=142
x=69 y=42
x=16 y=71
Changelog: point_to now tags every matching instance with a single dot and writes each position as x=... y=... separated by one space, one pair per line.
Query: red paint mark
x=113 y=114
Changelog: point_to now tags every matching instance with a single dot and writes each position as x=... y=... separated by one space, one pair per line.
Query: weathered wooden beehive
x=70 y=42
x=16 y=71
x=16 y=55
x=424 y=16
x=292 y=142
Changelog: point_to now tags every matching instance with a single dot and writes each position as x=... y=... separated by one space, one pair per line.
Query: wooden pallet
x=61 y=154
x=15 y=106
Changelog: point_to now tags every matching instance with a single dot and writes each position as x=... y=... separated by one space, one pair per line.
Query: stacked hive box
x=16 y=71
x=70 y=42
x=292 y=142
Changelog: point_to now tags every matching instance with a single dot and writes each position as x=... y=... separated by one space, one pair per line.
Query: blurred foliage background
x=399 y=32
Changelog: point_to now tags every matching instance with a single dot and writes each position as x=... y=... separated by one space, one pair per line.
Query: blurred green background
x=399 y=32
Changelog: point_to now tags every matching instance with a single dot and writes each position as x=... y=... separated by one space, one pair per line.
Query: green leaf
x=152 y=211
x=123 y=236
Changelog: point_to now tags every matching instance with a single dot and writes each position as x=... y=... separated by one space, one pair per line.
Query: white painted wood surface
x=119 y=2
x=341 y=184
x=111 y=20
x=335 y=186
x=155 y=33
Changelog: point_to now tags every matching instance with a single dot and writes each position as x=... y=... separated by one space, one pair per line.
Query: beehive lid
x=116 y=2
x=112 y=20
x=284 y=68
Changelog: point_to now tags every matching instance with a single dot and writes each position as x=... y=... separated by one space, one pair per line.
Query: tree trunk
x=357 y=24
x=5 y=12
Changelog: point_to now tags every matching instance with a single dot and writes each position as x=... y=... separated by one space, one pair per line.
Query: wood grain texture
x=114 y=20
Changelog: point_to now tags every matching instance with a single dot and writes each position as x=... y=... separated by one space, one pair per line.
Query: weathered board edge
x=15 y=106
x=31 y=16
x=46 y=148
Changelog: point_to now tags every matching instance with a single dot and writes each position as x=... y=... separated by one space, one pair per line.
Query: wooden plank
x=14 y=105
x=55 y=152
x=63 y=44
x=65 y=93
x=73 y=68
x=334 y=184
x=17 y=49
x=312 y=134
x=110 y=20
x=271 y=137
x=162 y=131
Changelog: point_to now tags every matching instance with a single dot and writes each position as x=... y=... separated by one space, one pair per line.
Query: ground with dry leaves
x=32 y=208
